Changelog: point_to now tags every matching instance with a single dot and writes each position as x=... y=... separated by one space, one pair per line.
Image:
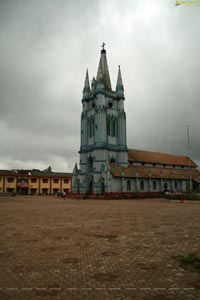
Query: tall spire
x=104 y=67
x=100 y=80
x=119 y=86
x=86 y=88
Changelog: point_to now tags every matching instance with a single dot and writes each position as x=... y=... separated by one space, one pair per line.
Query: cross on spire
x=103 y=44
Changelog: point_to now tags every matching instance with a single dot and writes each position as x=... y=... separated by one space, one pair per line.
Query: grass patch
x=192 y=260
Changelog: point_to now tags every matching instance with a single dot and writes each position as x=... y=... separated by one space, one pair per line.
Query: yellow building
x=34 y=182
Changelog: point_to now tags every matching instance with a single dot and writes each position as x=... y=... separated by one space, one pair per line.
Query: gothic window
x=128 y=185
x=90 y=165
x=91 y=127
x=108 y=126
x=113 y=127
x=154 y=185
x=142 y=185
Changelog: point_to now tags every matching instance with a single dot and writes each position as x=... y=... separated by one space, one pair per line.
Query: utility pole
x=188 y=142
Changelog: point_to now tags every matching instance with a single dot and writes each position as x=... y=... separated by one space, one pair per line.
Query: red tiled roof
x=144 y=172
x=196 y=180
x=159 y=158
x=34 y=173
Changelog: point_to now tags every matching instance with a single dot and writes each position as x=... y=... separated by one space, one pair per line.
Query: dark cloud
x=46 y=47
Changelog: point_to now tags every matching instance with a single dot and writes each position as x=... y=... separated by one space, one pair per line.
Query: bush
x=192 y=196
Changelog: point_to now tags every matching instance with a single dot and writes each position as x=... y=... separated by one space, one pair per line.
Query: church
x=107 y=165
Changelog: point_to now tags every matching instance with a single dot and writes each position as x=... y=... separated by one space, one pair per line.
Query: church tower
x=103 y=131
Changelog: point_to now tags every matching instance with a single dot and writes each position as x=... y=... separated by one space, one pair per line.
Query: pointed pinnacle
x=86 y=88
x=119 y=86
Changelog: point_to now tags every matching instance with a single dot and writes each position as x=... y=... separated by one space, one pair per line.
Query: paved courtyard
x=54 y=248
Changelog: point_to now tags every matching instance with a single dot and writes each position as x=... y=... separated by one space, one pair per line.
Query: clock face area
x=110 y=104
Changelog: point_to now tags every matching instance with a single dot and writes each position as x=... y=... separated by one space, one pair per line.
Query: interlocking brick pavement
x=54 y=248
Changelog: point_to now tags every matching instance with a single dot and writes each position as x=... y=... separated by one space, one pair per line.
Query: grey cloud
x=45 y=49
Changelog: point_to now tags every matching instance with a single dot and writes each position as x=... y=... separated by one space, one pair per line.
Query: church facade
x=106 y=164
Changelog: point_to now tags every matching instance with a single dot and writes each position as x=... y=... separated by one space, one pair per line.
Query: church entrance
x=90 y=188
x=88 y=183
x=101 y=185
x=90 y=176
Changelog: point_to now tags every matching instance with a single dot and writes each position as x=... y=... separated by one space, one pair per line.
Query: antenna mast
x=188 y=142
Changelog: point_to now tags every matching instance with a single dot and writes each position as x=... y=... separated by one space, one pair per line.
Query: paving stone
x=52 y=248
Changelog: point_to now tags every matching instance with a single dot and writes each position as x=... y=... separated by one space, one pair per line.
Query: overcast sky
x=45 y=48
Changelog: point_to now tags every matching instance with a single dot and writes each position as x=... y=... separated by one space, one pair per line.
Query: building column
x=150 y=182
x=4 y=182
x=60 y=184
x=39 y=185
x=182 y=182
x=161 y=182
x=50 y=185
x=172 y=183
x=123 y=181
x=137 y=183
x=150 y=185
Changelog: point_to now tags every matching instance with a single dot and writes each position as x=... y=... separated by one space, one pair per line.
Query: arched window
x=142 y=185
x=128 y=185
x=176 y=185
x=154 y=185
